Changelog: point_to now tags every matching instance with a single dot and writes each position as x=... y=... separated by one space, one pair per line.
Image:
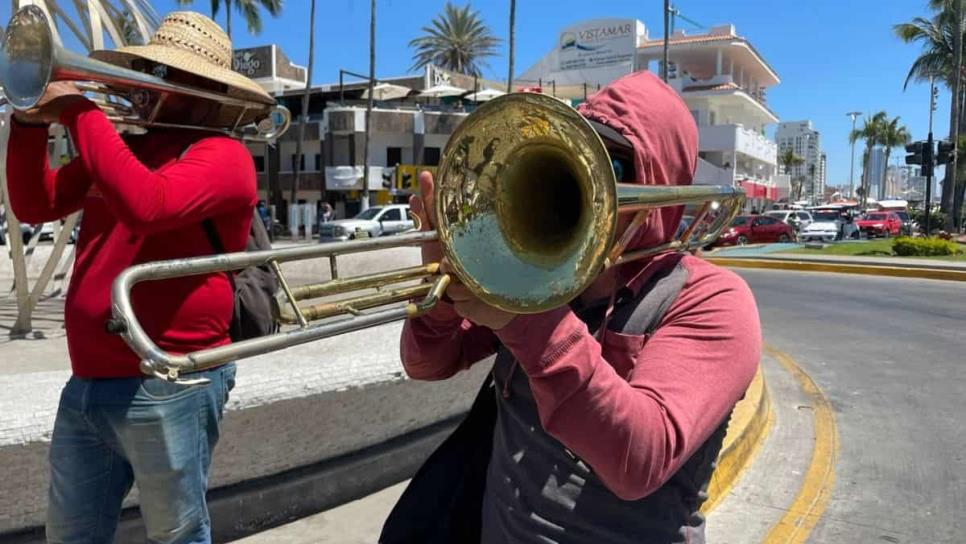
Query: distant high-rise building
x=899 y=180
x=877 y=171
x=804 y=141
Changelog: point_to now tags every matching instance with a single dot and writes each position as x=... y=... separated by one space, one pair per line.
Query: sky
x=833 y=56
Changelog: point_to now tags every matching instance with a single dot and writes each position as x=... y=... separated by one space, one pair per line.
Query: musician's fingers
x=426 y=187
x=417 y=207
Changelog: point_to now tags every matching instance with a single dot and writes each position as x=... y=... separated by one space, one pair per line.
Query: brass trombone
x=527 y=206
x=30 y=60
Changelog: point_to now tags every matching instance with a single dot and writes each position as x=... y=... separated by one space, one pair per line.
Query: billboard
x=254 y=62
x=597 y=43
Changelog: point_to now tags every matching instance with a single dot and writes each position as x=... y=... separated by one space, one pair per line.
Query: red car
x=751 y=229
x=884 y=224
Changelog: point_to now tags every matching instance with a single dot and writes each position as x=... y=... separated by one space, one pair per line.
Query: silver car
x=376 y=221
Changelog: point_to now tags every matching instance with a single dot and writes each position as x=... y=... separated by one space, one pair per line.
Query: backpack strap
x=643 y=314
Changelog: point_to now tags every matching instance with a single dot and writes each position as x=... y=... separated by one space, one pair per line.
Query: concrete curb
x=749 y=426
x=776 y=263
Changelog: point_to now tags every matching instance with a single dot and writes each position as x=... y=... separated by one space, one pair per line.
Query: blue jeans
x=111 y=433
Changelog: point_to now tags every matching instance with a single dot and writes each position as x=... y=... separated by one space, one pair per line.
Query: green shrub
x=923 y=247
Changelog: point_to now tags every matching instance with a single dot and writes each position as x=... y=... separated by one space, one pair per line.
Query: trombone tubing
x=157 y=362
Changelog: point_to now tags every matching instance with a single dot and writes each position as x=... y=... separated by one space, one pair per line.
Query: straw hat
x=190 y=42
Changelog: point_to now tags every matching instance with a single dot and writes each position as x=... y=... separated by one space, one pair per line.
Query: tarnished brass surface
x=526 y=202
x=30 y=60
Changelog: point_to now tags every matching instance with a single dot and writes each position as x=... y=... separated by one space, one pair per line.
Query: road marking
x=813 y=497
x=841 y=268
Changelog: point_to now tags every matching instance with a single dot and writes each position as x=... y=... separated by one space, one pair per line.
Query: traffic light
x=920 y=153
x=944 y=155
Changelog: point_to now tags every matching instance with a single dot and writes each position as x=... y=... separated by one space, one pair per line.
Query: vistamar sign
x=597 y=43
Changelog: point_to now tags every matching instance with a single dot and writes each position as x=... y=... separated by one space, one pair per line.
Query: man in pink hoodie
x=606 y=436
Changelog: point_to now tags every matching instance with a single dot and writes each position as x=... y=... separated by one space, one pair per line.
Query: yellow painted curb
x=750 y=422
x=816 y=490
x=842 y=268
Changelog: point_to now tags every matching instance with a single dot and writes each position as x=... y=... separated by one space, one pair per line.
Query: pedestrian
x=264 y=215
x=145 y=198
x=606 y=415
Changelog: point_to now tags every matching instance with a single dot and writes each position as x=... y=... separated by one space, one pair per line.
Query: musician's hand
x=424 y=206
x=469 y=307
x=58 y=96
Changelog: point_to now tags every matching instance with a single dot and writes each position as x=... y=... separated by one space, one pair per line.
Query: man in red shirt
x=144 y=198
x=605 y=436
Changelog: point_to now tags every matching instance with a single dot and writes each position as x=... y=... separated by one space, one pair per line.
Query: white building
x=723 y=80
x=720 y=75
x=806 y=142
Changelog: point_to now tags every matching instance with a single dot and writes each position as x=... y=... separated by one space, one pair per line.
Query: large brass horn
x=527 y=207
x=30 y=60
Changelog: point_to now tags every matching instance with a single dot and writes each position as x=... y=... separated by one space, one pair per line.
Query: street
x=889 y=354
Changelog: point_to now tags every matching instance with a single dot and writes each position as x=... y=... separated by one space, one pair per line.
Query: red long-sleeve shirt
x=637 y=426
x=143 y=199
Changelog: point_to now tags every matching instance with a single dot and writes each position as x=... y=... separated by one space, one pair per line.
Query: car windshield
x=825 y=215
x=903 y=215
x=371 y=213
x=777 y=215
x=876 y=217
x=740 y=220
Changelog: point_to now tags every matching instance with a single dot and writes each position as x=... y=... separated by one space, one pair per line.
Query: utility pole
x=512 y=51
x=854 y=115
x=364 y=205
x=929 y=167
x=667 y=37
x=949 y=197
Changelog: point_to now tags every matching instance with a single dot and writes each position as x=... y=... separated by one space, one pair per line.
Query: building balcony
x=736 y=138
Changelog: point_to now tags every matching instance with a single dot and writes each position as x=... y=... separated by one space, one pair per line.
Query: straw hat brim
x=238 y=85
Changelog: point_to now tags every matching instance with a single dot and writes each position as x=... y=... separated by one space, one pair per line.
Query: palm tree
x=248 y=8
x=457 y=40
x=305 y=114
x=891 y=135
x=942 y=58
x=870 y=132
x=788 y=160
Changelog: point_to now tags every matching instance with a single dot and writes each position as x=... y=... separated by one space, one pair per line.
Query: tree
x=248 y=8
x=788 y=159
x=941 y=58
x=305 y=114
x=891 y=135
x=457 y=40
x=870 y=132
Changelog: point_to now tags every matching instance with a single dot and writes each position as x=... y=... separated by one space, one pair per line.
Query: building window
x=259 y=163
x=318 y=162
x=301 y=163
x=431 y=156
x=393 y=156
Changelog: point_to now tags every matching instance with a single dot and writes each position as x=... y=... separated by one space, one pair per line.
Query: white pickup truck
x=376 y=221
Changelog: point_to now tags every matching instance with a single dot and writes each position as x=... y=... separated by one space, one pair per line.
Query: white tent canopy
x=387 y=91
x=484 y=95
x=440 y=91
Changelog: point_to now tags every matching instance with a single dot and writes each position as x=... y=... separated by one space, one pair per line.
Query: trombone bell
x=30 y=61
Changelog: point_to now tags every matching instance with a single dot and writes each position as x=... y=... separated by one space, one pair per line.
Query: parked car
x=376 y=221
x=909 y=226
x=883 y=224
x=797 y=219
x=827 y=225
x=751 y=229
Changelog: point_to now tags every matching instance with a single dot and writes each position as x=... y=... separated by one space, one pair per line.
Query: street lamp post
x=854 y=115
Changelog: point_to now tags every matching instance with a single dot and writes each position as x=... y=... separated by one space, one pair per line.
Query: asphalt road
x=890 y=354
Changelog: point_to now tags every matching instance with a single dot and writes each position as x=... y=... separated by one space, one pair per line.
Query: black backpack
x=254 y=287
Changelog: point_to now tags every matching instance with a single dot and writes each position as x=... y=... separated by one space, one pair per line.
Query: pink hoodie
x=636 y=408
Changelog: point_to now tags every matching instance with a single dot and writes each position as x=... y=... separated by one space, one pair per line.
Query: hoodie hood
x=656 y=121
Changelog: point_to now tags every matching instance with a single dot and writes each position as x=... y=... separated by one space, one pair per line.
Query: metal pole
x=667 y=36
x=512 y=51
x=364 y=205
x=854 y=115
x=929 y=167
